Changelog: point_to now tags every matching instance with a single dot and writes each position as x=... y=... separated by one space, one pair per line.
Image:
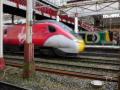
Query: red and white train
x=47 y=36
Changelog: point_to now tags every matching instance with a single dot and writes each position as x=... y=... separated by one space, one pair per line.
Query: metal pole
x=29 y=64
x=58 y=18
x=29 y=16
x=2 y=65
x=119 y=72
x=34 y=13
x=12 y=19
x=58 y=14
x=119 y=4
x=1 y=28
x=76 y=23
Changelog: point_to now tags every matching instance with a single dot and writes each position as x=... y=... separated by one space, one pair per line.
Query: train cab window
x=51 y=29
x=5 y=32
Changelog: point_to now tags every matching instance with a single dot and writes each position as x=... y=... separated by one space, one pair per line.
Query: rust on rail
x=68 y=73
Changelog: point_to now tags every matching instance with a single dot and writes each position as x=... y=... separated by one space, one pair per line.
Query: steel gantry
x=40 y=8
x=89 y=8
x=92 y=7
x=84 y=8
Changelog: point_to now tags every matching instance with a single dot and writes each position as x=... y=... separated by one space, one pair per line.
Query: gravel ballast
x=45 y=81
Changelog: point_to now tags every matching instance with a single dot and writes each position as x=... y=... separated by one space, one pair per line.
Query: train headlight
x=81 y=45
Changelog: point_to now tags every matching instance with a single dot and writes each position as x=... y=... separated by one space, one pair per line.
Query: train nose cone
x=81 y=46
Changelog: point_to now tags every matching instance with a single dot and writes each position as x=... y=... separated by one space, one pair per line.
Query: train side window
x=5 y=32
x=51 y=29
x=89 y=37
x=102 y=37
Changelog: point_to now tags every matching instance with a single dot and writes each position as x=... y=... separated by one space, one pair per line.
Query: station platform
x=103 y=46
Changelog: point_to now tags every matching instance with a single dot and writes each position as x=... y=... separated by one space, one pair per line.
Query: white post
x=2 y=64
x=1 y=28
x=58 y=18
x=29 y=20
x=76 y=23
x=29 y=64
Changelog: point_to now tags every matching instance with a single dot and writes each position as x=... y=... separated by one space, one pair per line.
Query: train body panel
x=67 y=46
x=45 y=34
x=100 y=37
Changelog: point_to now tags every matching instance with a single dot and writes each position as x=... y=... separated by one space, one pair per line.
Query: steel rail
x=74 y=66
x=76 y=59
x=77 y=66
x=88 y=60
x=68 y=73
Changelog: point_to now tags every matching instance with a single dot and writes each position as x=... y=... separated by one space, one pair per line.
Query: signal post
x=2 y=64
x=29 y=64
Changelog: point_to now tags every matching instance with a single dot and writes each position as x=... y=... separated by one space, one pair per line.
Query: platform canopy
x=91 y=7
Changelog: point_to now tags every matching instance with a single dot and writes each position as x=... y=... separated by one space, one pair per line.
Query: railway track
x=72 y=60
x=77 y=68
x=95 y=53
x=104 y=51
x=110 y=52
x=77 y=65
x=87 y=59
x=79 y=58
x=68 y=73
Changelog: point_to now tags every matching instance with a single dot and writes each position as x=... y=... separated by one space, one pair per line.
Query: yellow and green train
x=98 y=37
